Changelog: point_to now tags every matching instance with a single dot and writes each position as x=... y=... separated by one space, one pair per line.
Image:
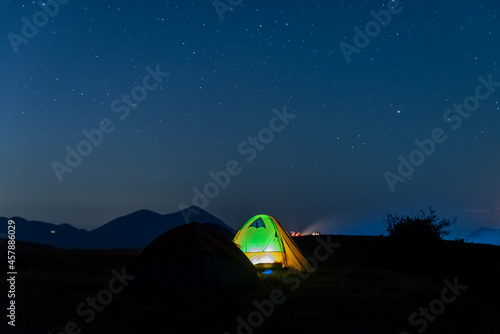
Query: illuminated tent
x=267 y=244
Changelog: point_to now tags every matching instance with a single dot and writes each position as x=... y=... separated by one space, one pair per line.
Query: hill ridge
x=134 y=230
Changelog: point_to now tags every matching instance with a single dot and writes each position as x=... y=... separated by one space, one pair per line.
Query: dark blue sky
x=328 y=166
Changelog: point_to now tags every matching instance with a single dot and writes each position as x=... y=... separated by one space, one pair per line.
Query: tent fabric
x=193 y=257
x=265 y=242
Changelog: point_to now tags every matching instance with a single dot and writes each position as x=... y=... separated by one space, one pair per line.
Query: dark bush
x=415 y=243
x=426 y=227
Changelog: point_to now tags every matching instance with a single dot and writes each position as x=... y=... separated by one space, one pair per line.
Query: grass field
x=364 y=286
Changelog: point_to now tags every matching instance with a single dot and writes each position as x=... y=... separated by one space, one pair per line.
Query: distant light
x=53 y=231
x=267 y=272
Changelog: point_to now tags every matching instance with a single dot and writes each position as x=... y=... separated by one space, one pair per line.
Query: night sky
x=310 y=120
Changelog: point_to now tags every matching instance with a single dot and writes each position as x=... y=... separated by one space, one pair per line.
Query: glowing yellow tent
x=267 y=244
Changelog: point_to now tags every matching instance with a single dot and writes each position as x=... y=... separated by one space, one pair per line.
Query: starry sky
x=309 y=115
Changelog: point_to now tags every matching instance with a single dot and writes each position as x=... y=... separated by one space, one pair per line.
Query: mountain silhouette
x=485 y=235
x=135 y=230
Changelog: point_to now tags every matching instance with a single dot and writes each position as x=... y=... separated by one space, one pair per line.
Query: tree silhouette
x=415 y=243
x=425 y=227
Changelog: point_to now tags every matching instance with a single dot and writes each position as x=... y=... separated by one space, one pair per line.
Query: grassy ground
x=364 y=286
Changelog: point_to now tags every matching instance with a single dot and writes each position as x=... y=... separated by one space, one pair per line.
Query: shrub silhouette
x=415 y=243
x=426 y=227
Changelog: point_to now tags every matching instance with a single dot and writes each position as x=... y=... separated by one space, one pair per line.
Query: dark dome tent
x=192 y=257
